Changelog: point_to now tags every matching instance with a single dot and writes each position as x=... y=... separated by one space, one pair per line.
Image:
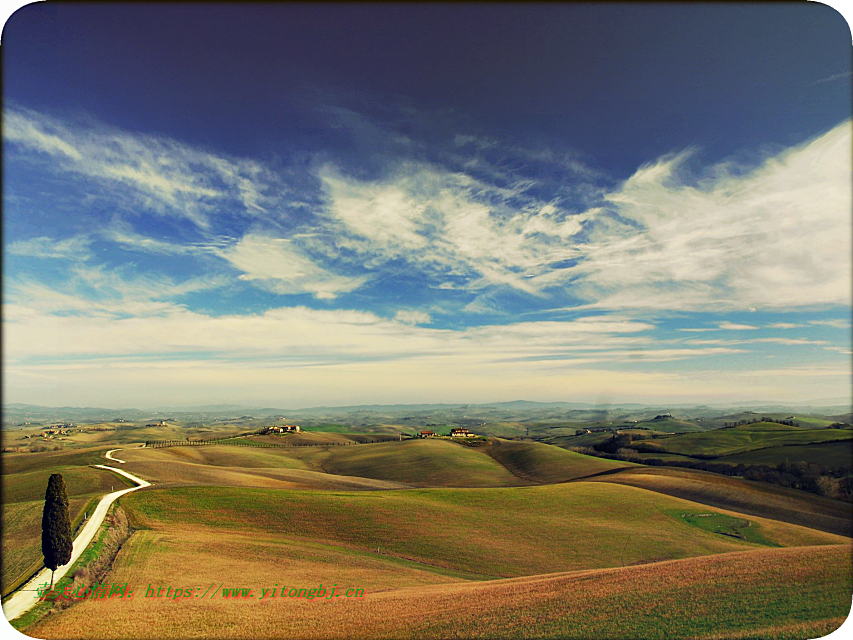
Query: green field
x=815 y=423
x=761 y=435
x=831 y=455
x=725 y=525
x=496 y=532
x=421 y=463
x=584 y=440
x=744 y=496
x=222 y=465
x=545 y=463
x=670 y=425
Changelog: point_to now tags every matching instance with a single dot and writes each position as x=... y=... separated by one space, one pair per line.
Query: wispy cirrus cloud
x=150 y=172
x=74 y=248
x=835 y=323
x=479 y=215
x=786 y=341
x=733 y=326
x=408 y=316
x=282 y=266
x=449 y=224
x=770 y=237
x=93 y=290
x=835 y=76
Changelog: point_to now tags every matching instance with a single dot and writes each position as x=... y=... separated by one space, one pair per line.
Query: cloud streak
x=772 y=237
x=150 y=172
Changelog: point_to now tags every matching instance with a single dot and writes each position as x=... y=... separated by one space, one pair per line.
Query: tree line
x=740 y=423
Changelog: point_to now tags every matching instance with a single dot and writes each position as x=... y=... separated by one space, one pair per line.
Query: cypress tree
x=56 y=540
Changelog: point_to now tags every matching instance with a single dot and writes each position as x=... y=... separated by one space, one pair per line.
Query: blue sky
x=296 y=205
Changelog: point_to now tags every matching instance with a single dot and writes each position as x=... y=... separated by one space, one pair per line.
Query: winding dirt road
x=108 y=455
x=26 y=598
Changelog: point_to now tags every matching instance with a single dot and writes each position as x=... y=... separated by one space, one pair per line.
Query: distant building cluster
x=159 y=423
x=454 y=433
x=285 y=428
x=57 y=430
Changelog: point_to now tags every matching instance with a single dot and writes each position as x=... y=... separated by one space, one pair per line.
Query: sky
x=295 y=205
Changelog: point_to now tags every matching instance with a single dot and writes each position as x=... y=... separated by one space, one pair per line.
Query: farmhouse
x=427 y=434
x=461 y=433
x=286 y=428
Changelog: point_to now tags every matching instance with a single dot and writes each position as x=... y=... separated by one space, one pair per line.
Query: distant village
x=54 y=431
x=454 y=433
x=285 y=428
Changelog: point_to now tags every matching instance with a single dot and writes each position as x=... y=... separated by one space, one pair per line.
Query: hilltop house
x=286 y=428
x=461 y=433
x=427 y=434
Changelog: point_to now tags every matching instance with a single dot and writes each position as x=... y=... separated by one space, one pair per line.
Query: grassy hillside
x=227 y=466
x=757 y=592
x=216 y=456
x=723 y=442
x=23 y=462
x=492 y=532
x=756 y=498
x=501 y=429
x=670 y=425
x=832 y=455
x=544 y=463
x=584 y=440
x=420 y=463
x=810 y=422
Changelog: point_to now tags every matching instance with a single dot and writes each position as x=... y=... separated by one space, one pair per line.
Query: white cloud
x=844 y=350
x=102 y=293
x=122 y=233
x=448 y=223
x=145 y=172
x=837 y=324
x=834 y=76
x=808 y=371
x=57 y=340
x=731 y=326
x=74 y=248
x=778 y=236
x=412 y=317
x=385 y=215
x=279 y=265
x=787 y=341
x=105 y=324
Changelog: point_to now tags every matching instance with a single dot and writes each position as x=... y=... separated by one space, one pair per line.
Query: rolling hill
x=744 y=496
x=456 y=564
x=545 y=463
